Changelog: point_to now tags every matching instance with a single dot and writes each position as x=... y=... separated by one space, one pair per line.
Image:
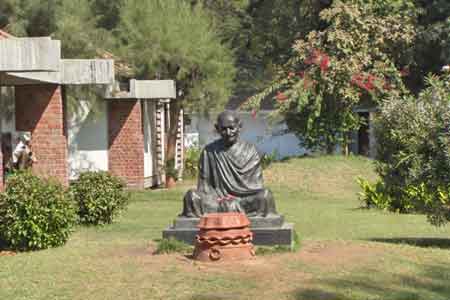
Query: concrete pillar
x=179 y=151
x=126 y=142
x=40 y=110
x=160 y=142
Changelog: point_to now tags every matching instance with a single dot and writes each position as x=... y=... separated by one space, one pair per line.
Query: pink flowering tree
x=359 y=59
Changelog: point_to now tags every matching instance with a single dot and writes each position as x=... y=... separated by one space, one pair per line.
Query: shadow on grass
x=360 y=208
x=430 y=282
x=3 y=245
x=6 y=250
x=442 y=243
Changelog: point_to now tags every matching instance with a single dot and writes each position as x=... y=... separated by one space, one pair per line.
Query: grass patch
x=346 y=252
x=171 y=245
x=270 y=250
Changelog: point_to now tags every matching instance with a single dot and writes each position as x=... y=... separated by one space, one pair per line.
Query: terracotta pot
x=170 y=182
x=226 y=220
x=224 y=236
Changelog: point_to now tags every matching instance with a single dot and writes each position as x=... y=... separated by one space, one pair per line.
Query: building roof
x=121 y=67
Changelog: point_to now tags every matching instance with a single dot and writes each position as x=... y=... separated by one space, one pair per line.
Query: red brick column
x=126 y=142
x=40 y=110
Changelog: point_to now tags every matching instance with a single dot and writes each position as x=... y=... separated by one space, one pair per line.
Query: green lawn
x=346 y=252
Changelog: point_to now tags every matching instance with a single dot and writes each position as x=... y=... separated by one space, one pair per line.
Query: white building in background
x=268 y=138
x=123 y=133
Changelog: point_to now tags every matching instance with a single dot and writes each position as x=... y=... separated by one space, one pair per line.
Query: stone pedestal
x=268 y=231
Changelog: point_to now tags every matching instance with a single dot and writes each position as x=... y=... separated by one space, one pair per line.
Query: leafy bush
x=375 y=196
x=35 y=213
x=268 y=159
x=170 y=169
x=413 y=155
x=192 y=157
x=355 y=60
x=100 y=197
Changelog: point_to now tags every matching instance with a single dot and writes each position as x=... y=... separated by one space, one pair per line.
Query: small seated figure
x=230 y=176
x=22 y=156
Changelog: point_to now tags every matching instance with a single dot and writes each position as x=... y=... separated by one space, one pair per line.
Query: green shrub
x=373 y=195
x=268 y=159
x=35 y=213
x=99 y=196
x=170 y=169
x=413 y=154
x=191 y=160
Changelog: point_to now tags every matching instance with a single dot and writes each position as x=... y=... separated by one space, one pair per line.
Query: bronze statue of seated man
x=230 y=176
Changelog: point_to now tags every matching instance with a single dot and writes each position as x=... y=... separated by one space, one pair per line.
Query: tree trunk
x=329 y=145
x=345 y=144
x=330 y=149
x=175 y=110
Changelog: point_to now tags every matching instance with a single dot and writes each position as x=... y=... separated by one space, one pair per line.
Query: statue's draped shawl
x=232 y=171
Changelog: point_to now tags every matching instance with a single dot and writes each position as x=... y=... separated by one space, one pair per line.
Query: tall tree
x=74 y=22
x=76 y=26
x=107 y=12
x=433 y=42
x=30 y=18
x=170 y=39
x=356 y=59
x=261 y=34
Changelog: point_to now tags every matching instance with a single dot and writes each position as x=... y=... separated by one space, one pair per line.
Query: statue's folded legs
x=261 y=204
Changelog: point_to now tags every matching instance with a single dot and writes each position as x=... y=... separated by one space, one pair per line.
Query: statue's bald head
x=227 y=116
x=228 y=126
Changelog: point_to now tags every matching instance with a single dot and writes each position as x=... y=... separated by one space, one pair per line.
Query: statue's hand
x=229 y=203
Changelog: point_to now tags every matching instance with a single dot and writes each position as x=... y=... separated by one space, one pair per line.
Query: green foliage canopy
x=413 y=152
x=261 y=34
x=171 y=40
x=354 y=61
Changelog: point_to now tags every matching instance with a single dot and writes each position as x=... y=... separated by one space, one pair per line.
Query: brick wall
x=126 y=142
x=40 y=110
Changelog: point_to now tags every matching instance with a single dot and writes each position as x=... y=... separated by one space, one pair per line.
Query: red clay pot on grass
x=170 y=182
x=223 y=237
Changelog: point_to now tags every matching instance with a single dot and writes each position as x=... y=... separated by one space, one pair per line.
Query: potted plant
x=171 y=173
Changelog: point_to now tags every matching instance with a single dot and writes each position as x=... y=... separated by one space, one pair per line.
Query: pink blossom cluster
x=367 y=82
x=320 y=59
x=364 y=81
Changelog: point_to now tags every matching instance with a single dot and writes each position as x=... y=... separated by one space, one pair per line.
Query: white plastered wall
x=267 y=137
x=87 y=128
x=148 y=121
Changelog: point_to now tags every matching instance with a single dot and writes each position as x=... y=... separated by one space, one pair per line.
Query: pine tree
x=170 y=39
